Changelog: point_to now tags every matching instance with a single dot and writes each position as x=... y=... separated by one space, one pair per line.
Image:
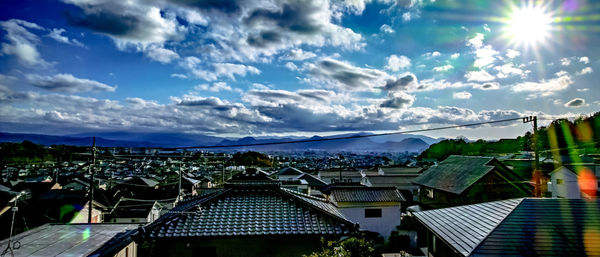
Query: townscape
x=173 y=202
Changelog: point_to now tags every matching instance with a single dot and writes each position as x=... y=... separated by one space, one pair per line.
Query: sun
x=529 y=25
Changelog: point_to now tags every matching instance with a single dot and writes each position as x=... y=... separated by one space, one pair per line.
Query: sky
x=295 y=67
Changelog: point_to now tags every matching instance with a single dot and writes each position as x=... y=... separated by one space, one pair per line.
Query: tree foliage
x=561 y=137
x=351 y=247
x=251 y=159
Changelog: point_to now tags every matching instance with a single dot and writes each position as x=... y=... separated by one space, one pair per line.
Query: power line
x=345 y=137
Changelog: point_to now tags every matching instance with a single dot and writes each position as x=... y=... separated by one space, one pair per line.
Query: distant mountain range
x=390 y=143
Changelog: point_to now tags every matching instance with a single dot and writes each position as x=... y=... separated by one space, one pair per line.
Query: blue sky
x=237 y=68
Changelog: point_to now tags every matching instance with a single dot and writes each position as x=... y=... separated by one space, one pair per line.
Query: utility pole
x=537 y=173
x=223 y=171
x=179 y=192
x=92 y=166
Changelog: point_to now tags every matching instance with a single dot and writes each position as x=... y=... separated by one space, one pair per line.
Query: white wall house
x=375 y=209
x=564 y=184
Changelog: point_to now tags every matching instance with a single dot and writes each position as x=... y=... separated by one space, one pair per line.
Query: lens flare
x=530 y=25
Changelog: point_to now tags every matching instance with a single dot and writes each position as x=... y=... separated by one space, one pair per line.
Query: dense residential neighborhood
x=148 y=203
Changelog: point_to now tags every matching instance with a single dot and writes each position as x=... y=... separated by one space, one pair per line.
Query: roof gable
x=253 y=209
x=465 y=227
x=457 y=173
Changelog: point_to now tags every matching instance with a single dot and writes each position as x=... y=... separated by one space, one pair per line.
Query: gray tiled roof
x=253 y=210
x=519 y=227
x=464 y=227
x=366 y=194
x=456 y=173
x=289 y=171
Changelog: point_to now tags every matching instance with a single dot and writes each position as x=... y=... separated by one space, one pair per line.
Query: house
x=403 y=182
x=575 y=181
x=305 y=182
x=332 y=176
x=70 y=240
x=128 y=210
x=514 y=227
x=376 y=209
x=314 y=184
x=251 y=216
x=460 y=180
x=287 y=173
x=97 y=213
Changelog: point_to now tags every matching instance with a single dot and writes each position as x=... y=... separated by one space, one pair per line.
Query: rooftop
x=457 y=173
x=366 y=194
x=66 y=239
x=252 y=209
x=519 y=227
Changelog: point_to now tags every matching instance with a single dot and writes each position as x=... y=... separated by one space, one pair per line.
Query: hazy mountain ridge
x=406 y=142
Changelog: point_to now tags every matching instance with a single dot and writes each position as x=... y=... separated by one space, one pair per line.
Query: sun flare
x=529 y=26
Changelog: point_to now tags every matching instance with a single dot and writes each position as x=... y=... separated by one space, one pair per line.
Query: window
x=429 y=192
x=559 y=181
x=372 y=213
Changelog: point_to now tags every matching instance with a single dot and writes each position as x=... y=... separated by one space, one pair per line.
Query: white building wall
x=390 y=219
x=569 y=188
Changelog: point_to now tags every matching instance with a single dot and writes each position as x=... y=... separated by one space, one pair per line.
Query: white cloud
x=291 y=66
x=511 y=53
x=565 y=61
x=179 y=76
x=476 y=41
x=586 y=70
x=298 y=55
x=486 y=28
x=584 y=59
x=455 y=55
x=544 y=87
x=161 y=55
x=56 y=34
x=508 y=70
x=406 y=17
x=216 y=87
x=216 y=70
x=461 y=95
x=430 y=55
x=443 y=68
x=386 y=29
x=67 y=83
x=583 y=89
x=22 y=43
x=481 y=76
x=395 y=63
x=485 y=56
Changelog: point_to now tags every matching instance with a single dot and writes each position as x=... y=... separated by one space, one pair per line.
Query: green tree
x=351 y=247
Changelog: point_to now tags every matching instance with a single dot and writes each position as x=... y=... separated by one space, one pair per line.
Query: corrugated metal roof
x=465 y=227
x=547 y=227
x=519 y=227
x=66 y=239
x=455 y=173
x=366 y=194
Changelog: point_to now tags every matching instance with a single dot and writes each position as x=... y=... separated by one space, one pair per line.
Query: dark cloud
x=352 y=77
x=104 y=22
x=294 y=17
x=226 y=6
x=67 y=83
x=264 y=39
x=398 y=102
x=401 y=83
x=577 y=102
